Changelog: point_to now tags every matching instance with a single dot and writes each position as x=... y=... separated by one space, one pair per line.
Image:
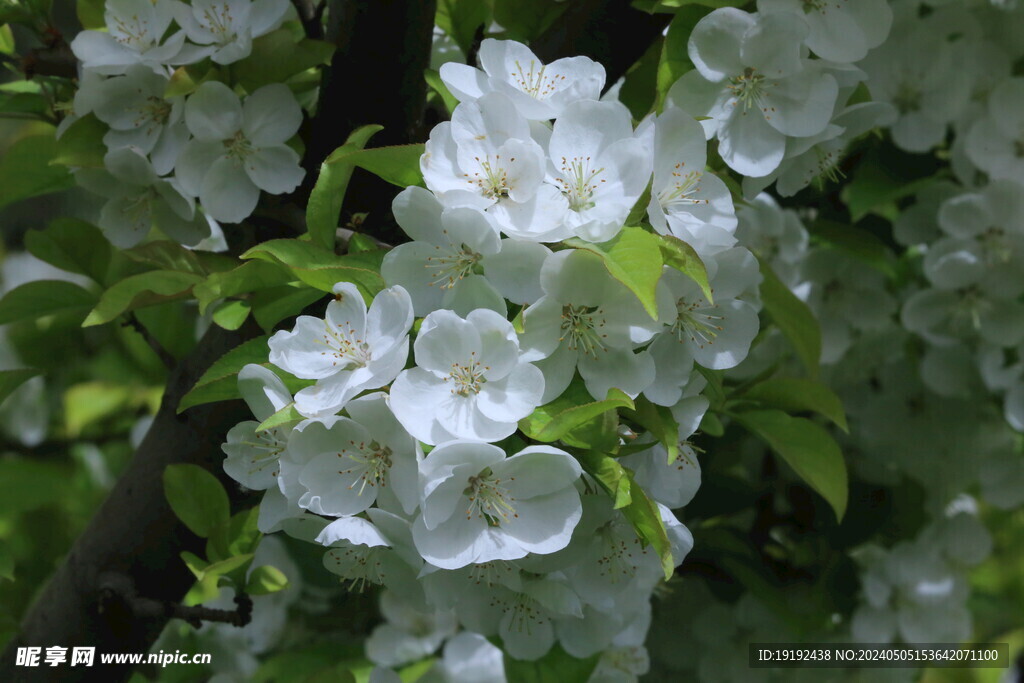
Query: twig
x=118 y=598
x=163 y=354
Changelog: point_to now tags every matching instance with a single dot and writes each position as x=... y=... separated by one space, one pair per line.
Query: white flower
x=840 y=30
x=439 y=268
x=361 y=460
x=753 y=82
x=135 y=31
x=538 y=91
x=673 y=485
x=253 y=455
x=228 y=26
x=775 y=234
x=134 y=107
x=376 y=551
x=471 y=658
x=699 y=201
x=239 y=148
x=995 y=142
x=139 y=200
x=588 y=320
x=410 y=632
x=599 y=166
x=478 y=505
x=470 y=381
x=348 y=351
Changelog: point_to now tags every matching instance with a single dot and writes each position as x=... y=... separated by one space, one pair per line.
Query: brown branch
x=163 y=354
x=117 y=595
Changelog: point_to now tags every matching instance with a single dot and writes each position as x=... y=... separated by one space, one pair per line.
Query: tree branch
x=608 y=31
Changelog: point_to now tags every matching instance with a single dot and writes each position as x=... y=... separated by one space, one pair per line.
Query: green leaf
x=681 y=256
x=793 y=395
x=25 y=170
x=232 y=314
x=633 y=257
x=793 y=317
x=646 y=521
x=639 y=89
x=225 y=566
x=82 y=144
x=807 y=448
x=397 y=164
x=12 y=379
x=612 y=476
x=90 y=13
x=286 y=415
x=658 y=421
x=460 y=19
x=675 y=59
x=574 y=408
x=72 y=245
x=139 y=291
x=168 y=255
x=879 y=182
x=433 y=79
x=186 y=79
x=320 y=268
x=30 y=484
x=265 y=579
x=44 y=297
x=525 y=20
x=272 y=305
x=197 y=498
x=276 y=57
x=88 y=403
x=22 y=102
x=324 y=206
x=6 y=562
x=220 y=381
x=248 y=277
x=556 y=666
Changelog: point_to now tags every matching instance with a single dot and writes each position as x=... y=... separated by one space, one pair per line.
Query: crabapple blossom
x=478 y=505
x=135 y=35
x=226 y=27
x=471 y=382
x=839 y=30
x=351 y=349
x=253 y=454
x=239 y=148
x=538 y=91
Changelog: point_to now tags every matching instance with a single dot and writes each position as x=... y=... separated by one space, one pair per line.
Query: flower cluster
x=169 y=145
x=417 y=473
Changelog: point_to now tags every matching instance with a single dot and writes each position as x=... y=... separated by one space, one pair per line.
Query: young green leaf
x=681 y=256
x=231 y=314
x=12 y=379
x=793 y=317
x=572 y=409
x=320 y=268
x=81 y=144
x=633 y=257
x=139 y=291
x=612 y=476
x=658 y=421
x=72 y=245
x=44 y=297
x=324 y=206
x=248 y=277
x=284 y=416
x=197 y=498
x=793 y=395
x=265 y=579
x=25 y=170
x=646 y=521
x=6 y=562
x=272 y=305
x=277 y=56
x=807 y=448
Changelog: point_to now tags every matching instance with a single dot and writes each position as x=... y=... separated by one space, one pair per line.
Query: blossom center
x=616 y=562
x=133 y=32
x=468 y=378
x=238 y=147
x=371 y=460
x=534 y=81
x=155 y=110
x=580 y=325
x=360 y=565
x=696 y=322
x=492 y=178
x=526 y=614
x=489 y=500
x=452 y=264
x=748 y=88
x=268 y=445
x=907 y=98
x=345 y=344
x=578 y=182
x=218 y=21
x=682 y=188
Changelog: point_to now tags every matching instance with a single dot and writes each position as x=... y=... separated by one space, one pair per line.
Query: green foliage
x=138 y=291
x=793 y=394
x=569 y=415
x=277 y=56
x=433 y=79
x=807 y=448
x=72 y=245
x=320 y=268
x=45 y=297
x=612 y=476
x=82 y=144
x=525 y=20
x=6 y=562
x=658 y=421
x=793 y=317
x=286 y=415
x=675 y=60
x=272 y=305
x=879 y=182
x=20 y=98
x=461 y=19
x=398 y=164
x=244 y=279
x=12 y=379
x=556 y=666
x=265 y=579
x=27 y=484
x=639 y=89
x=197 y=498
x=633 y=257
x=25 y=170
x=681 y=256
x=858 y=243
x=90 y=13
x=231 y=314
x=646 y=520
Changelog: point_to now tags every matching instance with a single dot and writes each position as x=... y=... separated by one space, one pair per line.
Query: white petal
x=270 y=116
x=213 y=112
x=227 y=194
